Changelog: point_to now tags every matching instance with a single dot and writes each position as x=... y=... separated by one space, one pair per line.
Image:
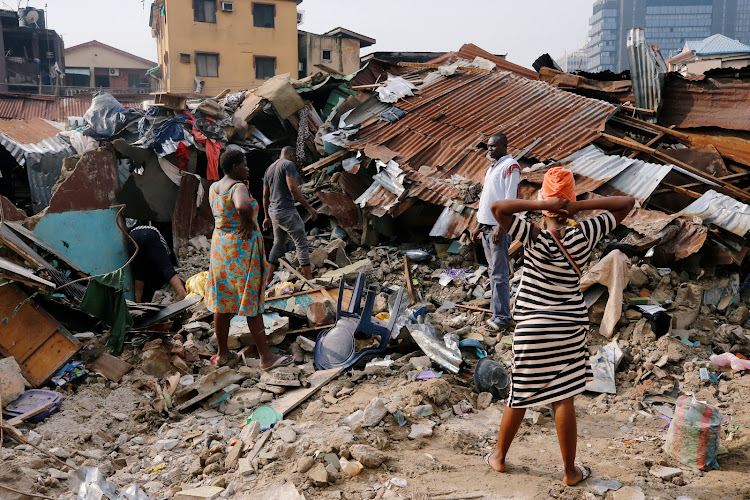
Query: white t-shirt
x=500 y=183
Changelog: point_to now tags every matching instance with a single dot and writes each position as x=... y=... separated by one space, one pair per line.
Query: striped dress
x=550 y=358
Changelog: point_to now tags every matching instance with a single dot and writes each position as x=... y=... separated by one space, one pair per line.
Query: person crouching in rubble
x=550 y=358
x=236 y=275
x=153 y=265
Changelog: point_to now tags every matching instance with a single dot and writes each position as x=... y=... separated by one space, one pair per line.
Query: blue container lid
x=32 y=399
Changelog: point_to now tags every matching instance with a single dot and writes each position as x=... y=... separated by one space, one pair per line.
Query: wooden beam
x=294 y=398
x=665 y=130
x=36 y=411
x=472 y=308
x=650 y=143
x=327 y=161
x=629 y=143
x=680 y=190
x=729 y=177
x=643 y=111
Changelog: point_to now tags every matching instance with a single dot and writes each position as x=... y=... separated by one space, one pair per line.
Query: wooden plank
x=678 y=189
x=111 y=367
x=293 y=399
x=14 y=272
x=327 y=161
x=652 y=142
x=292 y=270
x=22 y=231
x=472 y=308
x=12 y=241
x=36 y=411
x=436 y=66
x=409 y=281
x=258 y=445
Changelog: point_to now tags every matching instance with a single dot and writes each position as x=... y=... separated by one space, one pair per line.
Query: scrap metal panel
x=721 y=210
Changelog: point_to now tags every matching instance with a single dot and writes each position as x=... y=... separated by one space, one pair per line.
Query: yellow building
x=206 y=46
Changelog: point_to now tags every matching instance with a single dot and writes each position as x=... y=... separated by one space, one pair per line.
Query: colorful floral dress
x=238 y=267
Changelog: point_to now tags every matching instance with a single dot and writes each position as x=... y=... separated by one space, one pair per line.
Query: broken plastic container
x=31 y=400
x=350 y=467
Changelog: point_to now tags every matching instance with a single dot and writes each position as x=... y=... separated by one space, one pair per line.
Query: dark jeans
x=497 y=259
x=288 y=224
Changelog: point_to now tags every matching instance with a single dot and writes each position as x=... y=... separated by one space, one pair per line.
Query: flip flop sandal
x=492 y=326
x=282 y=361
x=215 y=358
x=585 y=473
x=487 y=459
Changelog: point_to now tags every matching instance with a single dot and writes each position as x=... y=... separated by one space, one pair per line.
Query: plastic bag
x=197 y=284
x=693 y=435
x=285 y=288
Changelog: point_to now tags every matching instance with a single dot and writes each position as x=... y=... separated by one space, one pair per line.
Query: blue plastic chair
x=335 y=347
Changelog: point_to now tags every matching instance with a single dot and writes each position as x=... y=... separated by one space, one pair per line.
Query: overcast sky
x=522 y=29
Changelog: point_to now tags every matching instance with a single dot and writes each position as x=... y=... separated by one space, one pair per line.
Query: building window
x=134 y=80
x=263 y=15
x=185 y=58
x=207 y=65
x=204 y=11
x=327 y=56
x=265 y=68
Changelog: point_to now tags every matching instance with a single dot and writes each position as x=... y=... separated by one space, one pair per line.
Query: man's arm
x=511 y=182
x=294 y=188
x=266 y=204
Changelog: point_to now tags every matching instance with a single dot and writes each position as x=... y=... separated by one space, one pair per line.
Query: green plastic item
x=266 y=416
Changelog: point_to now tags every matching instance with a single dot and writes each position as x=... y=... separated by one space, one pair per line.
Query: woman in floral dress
x=238 y=261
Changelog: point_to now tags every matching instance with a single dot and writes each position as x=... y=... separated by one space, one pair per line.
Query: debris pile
x=397 y=389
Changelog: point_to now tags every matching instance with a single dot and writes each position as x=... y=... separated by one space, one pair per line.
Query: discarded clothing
x=105 y=299
x=213 y=151
x=183 y=156
x=612 y=272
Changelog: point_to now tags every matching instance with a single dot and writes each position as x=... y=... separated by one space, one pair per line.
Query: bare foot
x=495 y=462
x=574 y=478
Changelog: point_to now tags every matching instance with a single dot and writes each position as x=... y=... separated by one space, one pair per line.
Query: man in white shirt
x=500 y=183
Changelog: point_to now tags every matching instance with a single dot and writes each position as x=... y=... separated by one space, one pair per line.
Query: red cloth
x=183 y=157
x=213 y=151
x=558 y=183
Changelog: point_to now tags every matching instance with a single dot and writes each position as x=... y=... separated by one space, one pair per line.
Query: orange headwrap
x=558 y=183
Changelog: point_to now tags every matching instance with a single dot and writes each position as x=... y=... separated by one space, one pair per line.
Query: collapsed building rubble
x=393 y=156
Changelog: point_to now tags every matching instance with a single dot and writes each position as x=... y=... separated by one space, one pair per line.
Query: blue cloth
x=174 y=129
x=497 y=259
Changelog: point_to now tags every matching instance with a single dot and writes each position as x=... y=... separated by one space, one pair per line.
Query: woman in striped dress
x=550 y=358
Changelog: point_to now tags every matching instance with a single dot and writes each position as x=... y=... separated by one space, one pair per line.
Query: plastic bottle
x=350 y=467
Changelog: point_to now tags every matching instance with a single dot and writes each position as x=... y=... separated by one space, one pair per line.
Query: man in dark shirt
x=280 y=189
x=153 y=266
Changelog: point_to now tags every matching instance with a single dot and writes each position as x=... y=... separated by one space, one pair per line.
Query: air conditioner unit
x=227 y=6
x=114 y=72
x=300 y=16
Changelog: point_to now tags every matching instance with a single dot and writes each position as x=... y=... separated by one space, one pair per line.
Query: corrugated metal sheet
x=469 y=52
x=624 y=175
x=710 y=102
x=719 y=44
x=723 y=211
x=593 y=168
x=646 y=71
x=445 y=121
x=732 y=146
x=51 y=108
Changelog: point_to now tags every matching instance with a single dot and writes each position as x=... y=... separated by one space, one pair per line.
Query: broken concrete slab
x=202 y=493
x=665 y=473
x=359 y=266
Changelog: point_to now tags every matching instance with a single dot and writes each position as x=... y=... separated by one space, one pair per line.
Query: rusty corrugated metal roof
x=446 y=119
x=709 y=102
x=469 y=52
x=28 y=131
x=56 y=109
